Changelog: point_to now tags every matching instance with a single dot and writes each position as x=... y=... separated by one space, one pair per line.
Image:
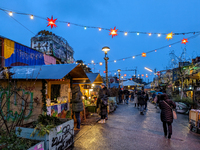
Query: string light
x=169 y=36
x=184 y=41
x=133 y=57
x=31 y=17
x=125 y=33
x=100 y=63
x=144 y=54
x=113 y=32
x=68 y=24
x=10 y=13
x=155 y=50
x=92 y=61
x=85 y=27
x=51 y=22
x=115 y=61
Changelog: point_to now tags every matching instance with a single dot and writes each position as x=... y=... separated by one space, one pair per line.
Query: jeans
x=103 y=116
x=141 y=108
x=145 y=106
x=120 y=98
x=77 y=115
x=169 y=128
x=127 y=100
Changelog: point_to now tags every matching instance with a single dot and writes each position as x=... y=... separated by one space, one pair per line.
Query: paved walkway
x=126 y=129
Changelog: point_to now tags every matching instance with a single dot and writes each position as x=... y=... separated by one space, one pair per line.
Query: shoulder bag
x=173 y=111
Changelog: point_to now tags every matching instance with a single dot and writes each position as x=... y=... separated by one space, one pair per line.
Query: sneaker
x=141 y=113
x=100 y=121
x=104 y=121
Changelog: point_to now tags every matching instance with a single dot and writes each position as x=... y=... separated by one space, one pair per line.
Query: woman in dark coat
x=166 y=113
x=141 y=101
x=102 y=96
x=77 y=105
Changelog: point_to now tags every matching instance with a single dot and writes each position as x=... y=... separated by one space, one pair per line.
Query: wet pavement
x=126 y=129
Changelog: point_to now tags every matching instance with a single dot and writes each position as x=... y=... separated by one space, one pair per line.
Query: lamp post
x=106 y=49
x=119 y=76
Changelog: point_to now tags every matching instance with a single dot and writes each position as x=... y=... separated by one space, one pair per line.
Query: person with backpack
x=102 y=102
x=166 y=105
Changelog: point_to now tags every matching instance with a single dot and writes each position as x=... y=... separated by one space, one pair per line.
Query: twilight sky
x=150 y=16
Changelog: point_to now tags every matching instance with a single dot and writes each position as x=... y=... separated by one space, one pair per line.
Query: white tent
x=129 y=83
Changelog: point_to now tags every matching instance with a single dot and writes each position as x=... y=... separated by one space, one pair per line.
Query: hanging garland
x=44 y=107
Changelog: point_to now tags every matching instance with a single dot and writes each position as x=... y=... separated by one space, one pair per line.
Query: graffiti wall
x=27 y=96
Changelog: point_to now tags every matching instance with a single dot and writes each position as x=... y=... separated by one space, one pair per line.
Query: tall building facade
x=51 y=44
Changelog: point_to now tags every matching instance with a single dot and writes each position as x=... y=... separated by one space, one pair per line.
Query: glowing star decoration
x=184 y=41
x=113 y=32
x=144 y=54
x=51 y=22
x=169 y=36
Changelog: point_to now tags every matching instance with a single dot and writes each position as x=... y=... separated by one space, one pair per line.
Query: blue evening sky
x=162 y=16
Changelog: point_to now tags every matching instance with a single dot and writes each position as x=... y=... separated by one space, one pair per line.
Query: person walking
x=102 y=102
x=146 y=99
x=141 y=101
x=136 y=99
x=77 y=105
x=126 y=94
x=166 y=105
x=120 y=95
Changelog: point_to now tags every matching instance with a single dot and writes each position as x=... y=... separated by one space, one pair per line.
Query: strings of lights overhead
x=112 y=31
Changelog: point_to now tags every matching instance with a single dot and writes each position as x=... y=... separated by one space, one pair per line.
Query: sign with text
x=62 y=137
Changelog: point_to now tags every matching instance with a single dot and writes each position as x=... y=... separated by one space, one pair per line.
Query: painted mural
x=19 y=55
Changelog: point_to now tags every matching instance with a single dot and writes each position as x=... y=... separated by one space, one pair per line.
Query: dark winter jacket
x=126 y=93
x=166 y=111
x=77 y=105
x=141 y=99
x=103 y=94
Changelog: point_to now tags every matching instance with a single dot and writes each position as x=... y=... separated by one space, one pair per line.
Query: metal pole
x=119 y=79
x=106 y=65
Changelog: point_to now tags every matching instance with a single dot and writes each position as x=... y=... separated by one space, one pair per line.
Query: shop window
x=55 y=92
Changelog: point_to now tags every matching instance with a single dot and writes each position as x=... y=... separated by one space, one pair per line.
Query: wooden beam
x=80 y=78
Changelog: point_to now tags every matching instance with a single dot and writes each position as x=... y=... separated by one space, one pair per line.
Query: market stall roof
x=148 y=86
x=129 y=83
x=57 y=71
x=94 y=77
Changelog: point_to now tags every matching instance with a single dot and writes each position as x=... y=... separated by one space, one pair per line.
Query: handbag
x=173 y=111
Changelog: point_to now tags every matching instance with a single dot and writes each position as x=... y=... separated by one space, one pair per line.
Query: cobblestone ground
x=126 y=129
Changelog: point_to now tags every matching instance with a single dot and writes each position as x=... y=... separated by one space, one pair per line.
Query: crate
x=194 y=116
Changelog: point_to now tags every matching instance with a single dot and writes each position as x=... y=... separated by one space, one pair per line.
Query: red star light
x=184 y=41
x=51 y=22
x=113 y=32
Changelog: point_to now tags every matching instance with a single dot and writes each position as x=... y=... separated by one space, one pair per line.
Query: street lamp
x=119 y=76
x=106 y=49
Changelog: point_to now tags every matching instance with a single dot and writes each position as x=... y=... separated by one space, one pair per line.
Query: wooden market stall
x=89 y=88
x=53 y=80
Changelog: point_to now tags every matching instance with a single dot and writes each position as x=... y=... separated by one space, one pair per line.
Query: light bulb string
x=95 y=27
x=120 y=59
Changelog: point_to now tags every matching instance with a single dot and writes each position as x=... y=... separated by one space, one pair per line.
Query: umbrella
x=159 y=93
x=152 y=91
